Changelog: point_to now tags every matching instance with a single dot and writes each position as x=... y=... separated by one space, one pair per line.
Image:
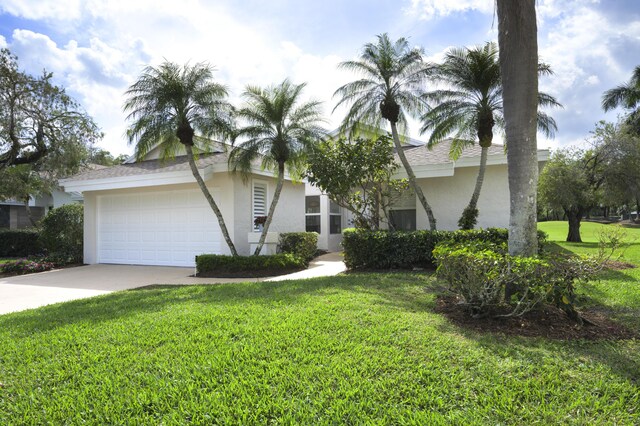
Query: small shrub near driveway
x=215 y=265
x=62 y=232
x=19 y=242
x=301 y=244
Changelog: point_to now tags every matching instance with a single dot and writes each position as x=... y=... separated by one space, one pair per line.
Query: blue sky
x=97 y=48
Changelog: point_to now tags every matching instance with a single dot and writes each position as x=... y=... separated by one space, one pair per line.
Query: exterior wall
x=90 y=248
x=60 y=198
x=234 y=198
x=448 y=196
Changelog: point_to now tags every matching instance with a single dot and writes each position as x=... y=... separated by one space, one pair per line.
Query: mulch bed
x=617 y=265
x=549 y=322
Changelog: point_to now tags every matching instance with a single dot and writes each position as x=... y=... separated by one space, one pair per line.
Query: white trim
x=264 y=183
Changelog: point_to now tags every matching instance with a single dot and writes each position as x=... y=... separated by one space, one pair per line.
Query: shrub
x=480 y=272
x=214 y=265
x=25 y=266
x=62 y=231
x=474 y=272
x=301 y=244
x=366 y=249
x=19 y=243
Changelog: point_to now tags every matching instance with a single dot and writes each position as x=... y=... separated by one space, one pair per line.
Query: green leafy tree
x=570 y=181
x=470 y=107
x=518 y=43
x=618 y=147
x=20 y=183
x=392 y=83
x=357 y=175
x=626 y=96
x=173 y=107
x=105 y=158
x=280 y=130
x=39 y=122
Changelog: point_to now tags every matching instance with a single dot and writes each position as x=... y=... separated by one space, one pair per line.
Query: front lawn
x=354 y=349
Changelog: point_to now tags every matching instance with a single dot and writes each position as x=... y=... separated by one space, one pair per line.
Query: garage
x=165 y=228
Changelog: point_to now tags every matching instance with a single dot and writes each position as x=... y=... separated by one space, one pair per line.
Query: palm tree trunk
x=412 y=177
x=272 y=209
x=469 y=217
x=483 y=167
x=517 y=37
x=212 y=203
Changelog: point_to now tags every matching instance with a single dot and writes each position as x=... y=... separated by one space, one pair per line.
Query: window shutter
x=259 y=201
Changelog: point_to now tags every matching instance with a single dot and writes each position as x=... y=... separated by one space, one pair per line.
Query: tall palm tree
x=175 y=106
x=626 y=96
x=280 y=130
x=471 y=106
x=518 y=42
x=393 y=78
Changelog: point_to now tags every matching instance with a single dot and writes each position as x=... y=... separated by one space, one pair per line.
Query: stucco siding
x=448 y=196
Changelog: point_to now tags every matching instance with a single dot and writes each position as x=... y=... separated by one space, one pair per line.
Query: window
x=403 y=220
x=312 y=213
x=335 y=218
x=259 y=202
x=4 y=216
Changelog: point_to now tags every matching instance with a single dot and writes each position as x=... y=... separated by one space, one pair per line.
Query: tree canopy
x=39 y=122
x=357 y=175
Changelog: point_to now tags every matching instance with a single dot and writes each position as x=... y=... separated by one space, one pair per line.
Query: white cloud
x=60 y=10
x=429 y=9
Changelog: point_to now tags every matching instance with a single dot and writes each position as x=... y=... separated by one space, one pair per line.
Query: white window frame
x=254 y=214
x=339 y=213
x=313 y=214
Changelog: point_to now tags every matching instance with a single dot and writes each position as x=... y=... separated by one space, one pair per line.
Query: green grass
x=5 y=260
x=616 y=290
x=356 y=349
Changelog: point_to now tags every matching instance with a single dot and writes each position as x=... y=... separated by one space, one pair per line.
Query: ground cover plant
x=359 y=348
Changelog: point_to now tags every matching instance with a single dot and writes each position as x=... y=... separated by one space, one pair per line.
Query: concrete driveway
x=34 y=290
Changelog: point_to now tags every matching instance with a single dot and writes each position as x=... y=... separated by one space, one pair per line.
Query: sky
x=97 y=48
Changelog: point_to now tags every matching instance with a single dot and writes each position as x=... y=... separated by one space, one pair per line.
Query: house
x=13 y=214
x=447 y=184
x=152 y=212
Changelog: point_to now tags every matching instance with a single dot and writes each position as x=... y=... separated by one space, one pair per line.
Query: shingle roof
x=439 y=154
x=180 y=163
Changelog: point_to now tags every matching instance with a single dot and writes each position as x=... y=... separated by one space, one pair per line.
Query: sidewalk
x=22 y=292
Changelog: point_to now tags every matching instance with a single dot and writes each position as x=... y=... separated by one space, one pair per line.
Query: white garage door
x=156 y=228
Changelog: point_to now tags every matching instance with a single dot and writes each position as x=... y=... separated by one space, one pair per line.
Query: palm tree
x=518 y=42
x=471 y=106
x=626 y=96
x=168 y=105
x=280 y=131
x=393 y=78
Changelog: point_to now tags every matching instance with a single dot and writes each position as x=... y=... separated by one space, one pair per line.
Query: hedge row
x=19 y=243
x=215 y=265
x=365 y=249
x=301 y=244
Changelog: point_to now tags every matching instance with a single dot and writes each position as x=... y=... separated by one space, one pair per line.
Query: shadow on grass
x=391 y=289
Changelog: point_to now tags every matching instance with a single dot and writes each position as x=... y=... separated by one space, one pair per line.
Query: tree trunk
x=272 y=209
x=27 y=209
x=517 y=38
x=574 y=226
x=472 y=208
x=412 y=177
x=212 y=203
